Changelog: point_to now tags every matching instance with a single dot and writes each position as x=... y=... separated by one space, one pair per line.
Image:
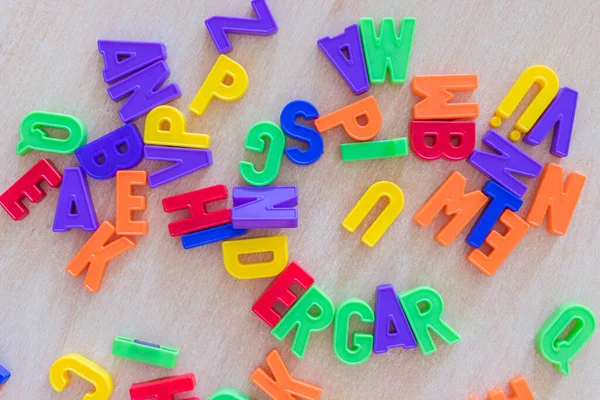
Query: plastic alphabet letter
x=442 y=134
x=28 y=186
x=362 y=342
x=256 y=142
x=102 y=158
x=75 y=208
x=175 y=134
x=196 y=201
x=144 y=352
x=397 y=147
x=144 y=91
x=265 y=207
x=345 y=52
x=34 y=137
x=558 y=348
x=430 y=318
x=436 y=94
x=559 y=115
x=519 y=387
x=85 y=369
x=389 y=312
x=163 y=389
x=127 y=203
x=302 y=316
x=348 y=116
x=4 y=375
x=185 y=161
x=502 y=167
x=283 y=386
x=555 y=198
x=500 y=199
x=451 y=198
x=210 y=235
x=548 y=82
x=214 y=84
x=367 y=202
x=228 y=394
x=501 y=246
x=122 y=58
x=273 y=244
x=289 y=114
x=388 y=51
x=96 y=253
x=264 y=25
x=279 y=291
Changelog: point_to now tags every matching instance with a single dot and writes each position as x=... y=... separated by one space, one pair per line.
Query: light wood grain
x=185 y=299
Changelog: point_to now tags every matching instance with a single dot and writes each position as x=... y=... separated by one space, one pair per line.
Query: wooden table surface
x=186 y=299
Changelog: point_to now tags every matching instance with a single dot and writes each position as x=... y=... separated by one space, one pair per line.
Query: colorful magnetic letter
x=211 y=235
x=289 y=114
x=264 y=25
x=500 y=199
x=85 y=369
x=127 y=203
x=282 y=386
x=256 y=141
x=519 y=387
x=501 y=167
x=120 y=149
x=75 y=208
x=144 y=91
x=279 y=291
x=265 y=207
x=185 y=161
x=362 y=342
x=348 y=117
x=558 y=348
x=345 y=52
x=436 y=93
x=548 y=82
x=28 y=186
x=96 y=254
x=302 y=316
x=556 y=199
x=372 y=150
x=501 y=246
x=163 y=389
x=389 y=312
x=4 y=375
x=214 y=86
x=559 y=115
x=442 y=134
x=388 y=51
x=422 y=320
x=451 y=197
x=123 y=58
x=33 y=136
x=145 y=352
x=378 y=190
x=228 y=394
x=175 y=134
x=232 y=250
x=196 y=201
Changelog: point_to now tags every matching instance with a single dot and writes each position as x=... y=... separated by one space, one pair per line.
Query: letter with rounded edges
x=85 y=369
x=176 y=134
x=232 y=250
x=558 y=348
x=367 y=202
x=214 y=84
